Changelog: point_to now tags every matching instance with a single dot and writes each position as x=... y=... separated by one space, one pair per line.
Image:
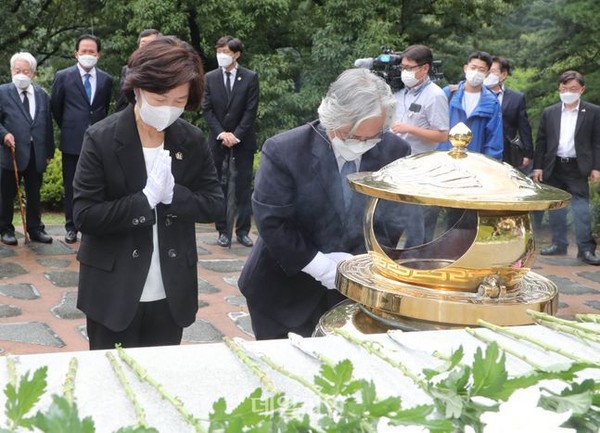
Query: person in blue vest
x=477 y=107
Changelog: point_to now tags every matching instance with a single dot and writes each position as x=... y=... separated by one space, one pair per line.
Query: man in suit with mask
x=230 y=106
x=567 y=156
x=26 y=129
x=80 y=97
x=514 y=112
x=307 y=216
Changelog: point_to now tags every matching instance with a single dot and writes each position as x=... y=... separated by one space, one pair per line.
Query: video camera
x=387 y=66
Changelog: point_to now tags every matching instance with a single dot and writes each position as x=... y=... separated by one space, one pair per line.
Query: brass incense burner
x=476 y=268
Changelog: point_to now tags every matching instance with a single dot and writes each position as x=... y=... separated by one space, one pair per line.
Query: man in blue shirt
x=476 y=106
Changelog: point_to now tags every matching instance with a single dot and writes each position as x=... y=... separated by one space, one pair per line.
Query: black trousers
x=69 y=164
x=8 y=192
x=152 y=325
x=243 y=192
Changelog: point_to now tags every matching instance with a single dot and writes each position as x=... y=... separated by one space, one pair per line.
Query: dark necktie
x=347 y=168
x=26 y=103
x=228 y=84
x=88 y=87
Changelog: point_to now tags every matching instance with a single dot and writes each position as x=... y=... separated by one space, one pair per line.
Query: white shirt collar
x=82 y=71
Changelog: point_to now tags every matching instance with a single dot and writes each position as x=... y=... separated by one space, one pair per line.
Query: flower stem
x=143 y=375
x=139 y=411
x=371 y=347
x=69 y=385
x=542 y=344
x=505 y=348
x=593 y=318
x=239 y=351
x=328 y=401
x=568 y=327
x=12 y=371
x=543 y=317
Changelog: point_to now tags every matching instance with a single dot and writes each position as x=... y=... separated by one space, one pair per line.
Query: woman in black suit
x=144 y=178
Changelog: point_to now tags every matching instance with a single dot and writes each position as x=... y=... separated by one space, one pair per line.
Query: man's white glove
x=323 y=267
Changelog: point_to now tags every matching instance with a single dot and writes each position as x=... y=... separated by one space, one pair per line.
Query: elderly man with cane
x=28 y=146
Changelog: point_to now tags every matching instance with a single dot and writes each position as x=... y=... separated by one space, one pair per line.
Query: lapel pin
x=179 y=155
x=239 y=78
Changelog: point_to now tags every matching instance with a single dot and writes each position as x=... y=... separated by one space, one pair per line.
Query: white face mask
x=409 y=79
x=87 y=61
x=352 y=148
x=474 y=78
x=159 y=117
x=22 y=81
x=491 y=80
x=569 y=97
x=224 y=60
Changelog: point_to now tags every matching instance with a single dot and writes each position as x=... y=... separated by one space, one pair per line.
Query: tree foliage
x=299 y=46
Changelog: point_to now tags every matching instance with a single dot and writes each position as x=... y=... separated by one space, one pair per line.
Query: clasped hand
x=160 y=182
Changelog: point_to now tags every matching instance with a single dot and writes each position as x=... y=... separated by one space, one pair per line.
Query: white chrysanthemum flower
x=521 y=414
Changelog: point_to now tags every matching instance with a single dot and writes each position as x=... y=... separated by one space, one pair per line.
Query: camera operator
x=421 y=106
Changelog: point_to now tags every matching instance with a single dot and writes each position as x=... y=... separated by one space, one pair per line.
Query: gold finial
x=460 y=136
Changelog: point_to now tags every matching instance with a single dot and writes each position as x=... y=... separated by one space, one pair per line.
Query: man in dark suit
x=145 y=36
x=230 y=105
x=307 y=217
x=80 y=97
x=567 y=153
x=26 y=127
x=514 y=112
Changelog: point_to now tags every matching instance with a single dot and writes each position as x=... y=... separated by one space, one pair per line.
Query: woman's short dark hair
x=571 y=75
x=162 y=65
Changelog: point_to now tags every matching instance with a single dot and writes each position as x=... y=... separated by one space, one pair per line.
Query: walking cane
x=14 y=161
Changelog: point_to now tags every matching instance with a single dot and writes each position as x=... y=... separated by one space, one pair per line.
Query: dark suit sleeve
x=49 y=130
x=596 y=139
x=274 y=208
x=525 y=128
x=246 y=124
x=541 y=143
x=57 y=97
x=208 y=110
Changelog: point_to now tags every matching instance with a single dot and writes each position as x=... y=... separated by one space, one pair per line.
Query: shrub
x=52 y=193
x=595 y=205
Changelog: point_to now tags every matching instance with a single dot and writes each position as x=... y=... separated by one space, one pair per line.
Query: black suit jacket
x=514 y=119
x=14 y=120
x=116 y=220
x=299 y=210
x=71 y=108
x=236 y=114
x=587 y=139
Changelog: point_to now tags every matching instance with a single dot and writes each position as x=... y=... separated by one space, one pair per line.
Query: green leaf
x=455 y=358
x=137 y=429
x=489 y=371
x=21 y=400
x=418 y=416
x=337 y=379
x=577 y=398
x=63 y=417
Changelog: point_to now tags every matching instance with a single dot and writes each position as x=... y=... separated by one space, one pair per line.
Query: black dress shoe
x=245 y=240
x=40 y=236
x=553 y=250
x=9 y=238
x=590 y=258
x=71 y=237
x=223 y=240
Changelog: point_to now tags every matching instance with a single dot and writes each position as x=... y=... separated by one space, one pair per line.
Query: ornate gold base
x=393 y=302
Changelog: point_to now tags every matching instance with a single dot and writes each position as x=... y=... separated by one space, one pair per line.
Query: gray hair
x=357 y=94
x=26 y=57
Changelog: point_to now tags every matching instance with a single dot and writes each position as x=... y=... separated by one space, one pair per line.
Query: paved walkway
x=38 y=291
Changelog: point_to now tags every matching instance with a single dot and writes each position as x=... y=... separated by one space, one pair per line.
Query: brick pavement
x=38 y=291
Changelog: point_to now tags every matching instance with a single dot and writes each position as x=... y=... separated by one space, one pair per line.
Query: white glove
x=167 y=196
x=323 y=267
x=155 y=184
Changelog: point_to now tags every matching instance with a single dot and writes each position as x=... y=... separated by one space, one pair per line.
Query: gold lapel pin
x=179 y=155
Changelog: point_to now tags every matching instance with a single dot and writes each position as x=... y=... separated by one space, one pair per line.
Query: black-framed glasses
x=410 y=68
